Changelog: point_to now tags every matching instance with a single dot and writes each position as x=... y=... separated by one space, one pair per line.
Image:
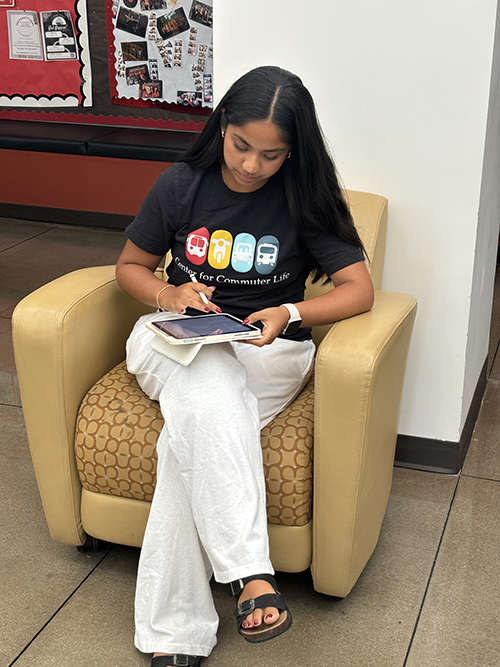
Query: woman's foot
x=261 y=613
x=268 y=615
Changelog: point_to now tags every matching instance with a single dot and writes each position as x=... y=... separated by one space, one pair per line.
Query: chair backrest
x=370 y=217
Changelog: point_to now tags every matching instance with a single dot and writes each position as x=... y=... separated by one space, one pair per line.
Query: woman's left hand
x=274 y=321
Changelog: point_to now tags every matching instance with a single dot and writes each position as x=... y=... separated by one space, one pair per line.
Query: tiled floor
x=429 y=597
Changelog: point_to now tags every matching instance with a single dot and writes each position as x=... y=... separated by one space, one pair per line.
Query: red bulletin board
x=40 y=83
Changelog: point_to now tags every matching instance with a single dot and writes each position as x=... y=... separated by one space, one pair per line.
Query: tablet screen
x=204 y=325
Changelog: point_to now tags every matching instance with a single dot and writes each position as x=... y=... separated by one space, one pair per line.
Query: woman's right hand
x=135 y=273
x=188 y=295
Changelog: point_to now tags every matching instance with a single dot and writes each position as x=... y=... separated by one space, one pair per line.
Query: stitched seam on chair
x=362 y=408
x=61 y=316
x=374 y=230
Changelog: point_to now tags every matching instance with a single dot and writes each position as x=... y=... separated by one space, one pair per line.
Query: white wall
x=402 y=92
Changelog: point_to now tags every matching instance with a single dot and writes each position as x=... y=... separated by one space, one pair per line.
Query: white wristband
x=293 y=310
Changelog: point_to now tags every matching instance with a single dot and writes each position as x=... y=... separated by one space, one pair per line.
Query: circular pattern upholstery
x=115 y=441
x=287 y=447
x=117 y=430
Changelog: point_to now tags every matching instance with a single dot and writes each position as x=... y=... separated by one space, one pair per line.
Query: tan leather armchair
x=328 y=457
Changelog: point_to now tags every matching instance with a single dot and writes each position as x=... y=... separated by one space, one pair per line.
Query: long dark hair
x=312 y=189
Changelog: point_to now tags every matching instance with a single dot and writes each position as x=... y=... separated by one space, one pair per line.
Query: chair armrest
x=66 y=335
x=359 y=377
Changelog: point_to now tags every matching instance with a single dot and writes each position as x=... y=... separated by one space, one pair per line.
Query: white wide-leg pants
x=208 y=514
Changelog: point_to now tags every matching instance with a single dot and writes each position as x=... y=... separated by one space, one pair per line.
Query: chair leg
x=92 y=544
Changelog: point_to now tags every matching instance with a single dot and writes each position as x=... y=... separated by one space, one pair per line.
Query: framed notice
x=25 y=40
x=59 y=38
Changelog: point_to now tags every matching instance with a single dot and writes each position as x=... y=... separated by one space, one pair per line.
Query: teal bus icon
x=243 y=252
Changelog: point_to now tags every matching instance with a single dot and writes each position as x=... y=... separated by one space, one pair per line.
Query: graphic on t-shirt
x=197 y=245
x=243 y=252
x=266 y=256
x=220 y=249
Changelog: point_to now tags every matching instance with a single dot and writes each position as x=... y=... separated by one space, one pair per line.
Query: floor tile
x=13 y=232
x=374 y=623
x=36 y=574
x=9 y=387
x=372 y=626
x=96 y=626
x=460 y=621
x=27 y=266
x=483 y=457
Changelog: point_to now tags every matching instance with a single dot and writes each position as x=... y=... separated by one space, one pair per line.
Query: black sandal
x=262 y=632
x=177 y=660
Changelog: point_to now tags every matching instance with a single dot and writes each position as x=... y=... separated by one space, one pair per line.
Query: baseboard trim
x=64 y=216
x=441 y=455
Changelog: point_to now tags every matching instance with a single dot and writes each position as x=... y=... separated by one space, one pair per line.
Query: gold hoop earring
x=223 y=134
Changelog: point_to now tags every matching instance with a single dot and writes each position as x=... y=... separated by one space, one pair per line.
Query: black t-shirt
x=244 y=243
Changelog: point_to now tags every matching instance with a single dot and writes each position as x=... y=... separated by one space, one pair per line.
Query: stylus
x=203 y=297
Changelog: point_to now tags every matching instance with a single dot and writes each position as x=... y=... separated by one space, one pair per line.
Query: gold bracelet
x=158 y=296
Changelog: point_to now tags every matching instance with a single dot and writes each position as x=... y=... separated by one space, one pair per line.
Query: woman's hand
x=274 y=321
x=135 y=275
x=353 y=294
x=188 y=295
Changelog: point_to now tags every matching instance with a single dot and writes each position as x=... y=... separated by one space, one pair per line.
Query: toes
x=257 y=617
x=271 y=615
x=253 y=620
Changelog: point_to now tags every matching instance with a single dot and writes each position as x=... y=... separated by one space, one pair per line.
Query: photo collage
x=164 y=50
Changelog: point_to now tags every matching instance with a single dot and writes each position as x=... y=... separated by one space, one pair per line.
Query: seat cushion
x=118 y=427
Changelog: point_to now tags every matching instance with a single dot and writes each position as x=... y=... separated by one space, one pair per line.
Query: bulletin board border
x=89 y=119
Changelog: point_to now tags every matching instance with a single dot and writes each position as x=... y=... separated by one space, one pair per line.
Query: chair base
x=123 y=521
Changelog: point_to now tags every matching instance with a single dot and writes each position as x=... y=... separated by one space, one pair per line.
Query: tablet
x=213 y=328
